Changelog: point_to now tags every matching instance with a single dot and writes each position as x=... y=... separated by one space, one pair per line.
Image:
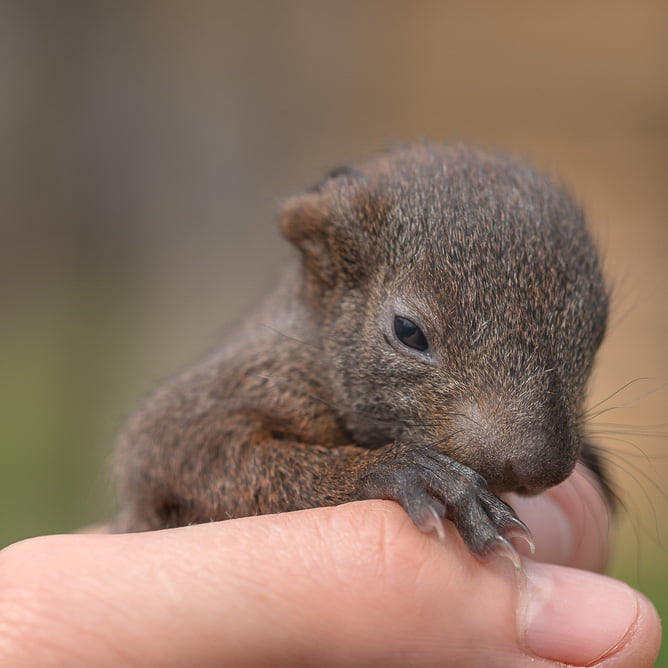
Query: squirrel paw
x=432 y=486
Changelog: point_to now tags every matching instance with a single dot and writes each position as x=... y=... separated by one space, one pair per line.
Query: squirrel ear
x=316 y=223
x=342 y=171
x=304 y=221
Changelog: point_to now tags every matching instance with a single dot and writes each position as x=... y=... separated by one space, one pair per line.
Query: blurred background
x=144 y=147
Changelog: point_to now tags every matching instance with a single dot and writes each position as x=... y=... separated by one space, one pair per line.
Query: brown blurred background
x=143 y=148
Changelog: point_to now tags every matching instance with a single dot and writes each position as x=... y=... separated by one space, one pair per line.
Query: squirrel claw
x=521 y=530
x=435 y=523
x=504 y=548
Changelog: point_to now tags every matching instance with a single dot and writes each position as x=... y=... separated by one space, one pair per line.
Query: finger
x=581 y=618
x=570 y=522
x=354 y=585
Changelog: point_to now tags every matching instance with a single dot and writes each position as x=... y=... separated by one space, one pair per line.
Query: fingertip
x=582 y=618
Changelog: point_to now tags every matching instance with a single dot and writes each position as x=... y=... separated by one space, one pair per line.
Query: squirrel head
x=460 y=303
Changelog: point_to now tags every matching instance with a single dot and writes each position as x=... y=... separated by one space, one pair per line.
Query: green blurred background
x=143 y=149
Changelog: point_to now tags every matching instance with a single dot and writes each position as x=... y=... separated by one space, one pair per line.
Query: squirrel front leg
x=234 y=466
x=253 y=470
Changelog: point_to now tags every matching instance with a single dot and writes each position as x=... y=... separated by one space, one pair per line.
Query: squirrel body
x=430 y=345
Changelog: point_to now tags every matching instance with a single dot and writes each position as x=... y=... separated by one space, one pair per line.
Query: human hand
x=346 y=586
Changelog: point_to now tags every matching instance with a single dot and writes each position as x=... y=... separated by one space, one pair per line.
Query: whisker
x=626 y=430
x=415 y=422
x=640 y=478
x=617 y=391
x=602 y=491
x=590 y=415
x=640 y=454
x=613 y=457
x=289 y=337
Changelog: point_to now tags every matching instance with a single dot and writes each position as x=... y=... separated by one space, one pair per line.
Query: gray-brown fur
x=315 y=402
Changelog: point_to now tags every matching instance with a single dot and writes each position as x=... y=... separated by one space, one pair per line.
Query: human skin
x=353 y=585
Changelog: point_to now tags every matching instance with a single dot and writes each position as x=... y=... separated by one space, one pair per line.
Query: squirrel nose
x=538 y=459
x=510 y=474
x=514 y=454
x=520 y=482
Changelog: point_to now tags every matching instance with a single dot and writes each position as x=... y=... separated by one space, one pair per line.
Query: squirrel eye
x=410 y=334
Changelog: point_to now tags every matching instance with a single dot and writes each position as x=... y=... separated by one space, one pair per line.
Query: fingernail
x=575 y=617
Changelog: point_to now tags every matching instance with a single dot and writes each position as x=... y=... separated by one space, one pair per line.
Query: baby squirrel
x=431 y=346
